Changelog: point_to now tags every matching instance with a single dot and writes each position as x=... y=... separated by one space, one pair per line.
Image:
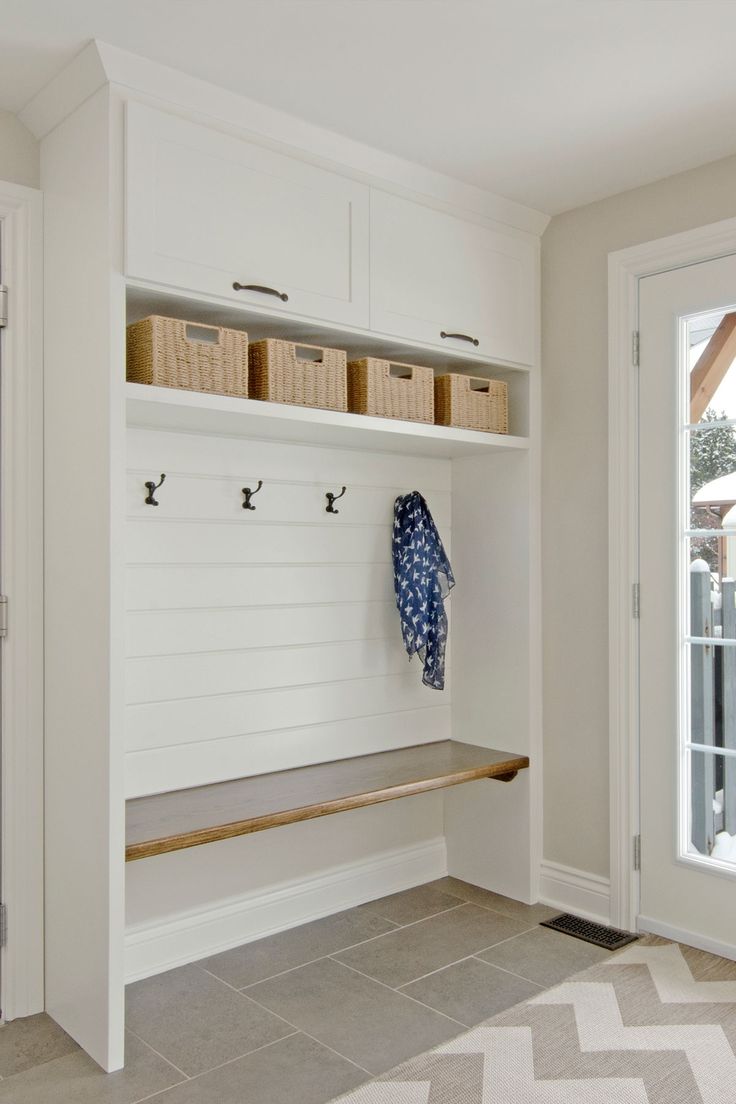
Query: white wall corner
x=576 y=891
x=188 y=936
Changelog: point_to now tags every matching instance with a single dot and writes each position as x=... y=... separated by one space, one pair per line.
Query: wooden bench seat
x=203 y=814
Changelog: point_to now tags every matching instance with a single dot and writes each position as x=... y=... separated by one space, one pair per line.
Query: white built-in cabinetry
x=434 y=275
x=205 y=210
x=194 y=641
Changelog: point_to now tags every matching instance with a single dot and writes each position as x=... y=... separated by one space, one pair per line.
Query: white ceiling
x=552 y=103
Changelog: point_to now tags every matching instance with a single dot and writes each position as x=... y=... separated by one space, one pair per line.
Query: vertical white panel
x=488 y=823
x=83 y=430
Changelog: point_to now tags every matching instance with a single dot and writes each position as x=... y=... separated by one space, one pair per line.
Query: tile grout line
x=328 y=954
x=163 y=1057
x=400 y=988
x=408 y=924
x=222 y=1065
x=489 y=908
x=398 y=993
x=297 y=1030
x=457 y=961
x=342 y=950
x=520 y=977
x=338 y=1053
x=258 y=1004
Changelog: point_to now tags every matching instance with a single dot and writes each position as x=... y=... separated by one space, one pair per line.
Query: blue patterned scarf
x=422 y=580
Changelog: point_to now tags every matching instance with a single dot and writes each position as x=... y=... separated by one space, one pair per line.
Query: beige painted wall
x=574 y=357
x=19 y=154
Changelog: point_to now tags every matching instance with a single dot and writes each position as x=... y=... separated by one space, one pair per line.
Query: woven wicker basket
x=279 y=372
x=390 y=390
x=470 y=402
x=168 y=353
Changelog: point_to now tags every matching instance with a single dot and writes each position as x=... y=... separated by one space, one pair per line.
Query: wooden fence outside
x=713 y=705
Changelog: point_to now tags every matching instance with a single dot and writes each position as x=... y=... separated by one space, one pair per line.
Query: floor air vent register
x=610 y=938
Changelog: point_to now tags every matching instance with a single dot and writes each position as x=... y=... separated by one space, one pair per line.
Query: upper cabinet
x=205 y=211
x=211 y=214
x=441 y=280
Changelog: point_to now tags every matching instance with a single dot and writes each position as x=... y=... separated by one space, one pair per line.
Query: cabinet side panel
x=84 y=806
x=488 y=824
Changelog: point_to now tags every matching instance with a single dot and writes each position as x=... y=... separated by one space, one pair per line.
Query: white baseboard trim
x=152 y=948
x=576 y=891
x=682 y=935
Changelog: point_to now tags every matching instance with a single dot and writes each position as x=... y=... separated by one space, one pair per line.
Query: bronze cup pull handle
x=461 y=337
x=264 y=290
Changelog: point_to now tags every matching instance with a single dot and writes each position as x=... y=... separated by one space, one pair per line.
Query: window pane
x=712 y=476
x=712 y=787
x=712 y=375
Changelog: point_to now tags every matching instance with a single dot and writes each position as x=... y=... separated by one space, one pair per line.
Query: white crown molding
x=99 y=63
x=76 y=82
x=189 y=936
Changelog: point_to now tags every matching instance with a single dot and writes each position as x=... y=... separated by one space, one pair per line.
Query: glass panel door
x=708 y=734
x=687 y=627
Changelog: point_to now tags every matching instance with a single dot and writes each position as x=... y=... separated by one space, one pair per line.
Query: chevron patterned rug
x=654 y=1024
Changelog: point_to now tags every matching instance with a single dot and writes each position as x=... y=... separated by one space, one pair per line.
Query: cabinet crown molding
x=100 y=64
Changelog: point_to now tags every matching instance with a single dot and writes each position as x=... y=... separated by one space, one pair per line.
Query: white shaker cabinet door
x=205 y=210
x=433 y=274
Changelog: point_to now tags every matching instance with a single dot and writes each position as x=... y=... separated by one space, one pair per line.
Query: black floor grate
x=610 y=938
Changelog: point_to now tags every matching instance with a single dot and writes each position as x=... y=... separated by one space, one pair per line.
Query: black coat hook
x=332 y=499
x=151 y=487
x=249 y=494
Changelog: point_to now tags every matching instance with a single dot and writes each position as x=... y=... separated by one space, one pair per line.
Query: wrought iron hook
x=332 y=499
x=249 y=494
x=151 y=487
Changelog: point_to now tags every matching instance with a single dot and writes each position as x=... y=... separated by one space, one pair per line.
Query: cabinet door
x=432 y=273
x=205 y=210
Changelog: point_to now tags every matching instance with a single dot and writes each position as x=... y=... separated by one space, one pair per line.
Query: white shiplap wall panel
x=205 y=674
x=255 y=542
x=207 y=586
x=182 y=631
x=160 y=724
x=281 y=749
x=234 y=457
x=259 y=640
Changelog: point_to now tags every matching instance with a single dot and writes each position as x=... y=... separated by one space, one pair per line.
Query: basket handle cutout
x=205 y=335
x=309 y=353
x=400 y=371
x=482 y=388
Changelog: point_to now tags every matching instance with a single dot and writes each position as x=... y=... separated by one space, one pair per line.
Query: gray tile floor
x=311 y=1013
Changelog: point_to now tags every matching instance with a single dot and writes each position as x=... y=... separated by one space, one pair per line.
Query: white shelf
x=195 y=412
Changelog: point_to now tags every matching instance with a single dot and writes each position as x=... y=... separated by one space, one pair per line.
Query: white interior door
x=688 y=613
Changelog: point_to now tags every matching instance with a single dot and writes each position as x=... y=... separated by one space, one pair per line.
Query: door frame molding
x=625 y=268
x=21 y=552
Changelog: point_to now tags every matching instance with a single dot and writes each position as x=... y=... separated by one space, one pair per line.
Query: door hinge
x=3 y=925
x=3 y=616
x=635 y=348
x=637 y=852
x=635 y=600
x=3 y=305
